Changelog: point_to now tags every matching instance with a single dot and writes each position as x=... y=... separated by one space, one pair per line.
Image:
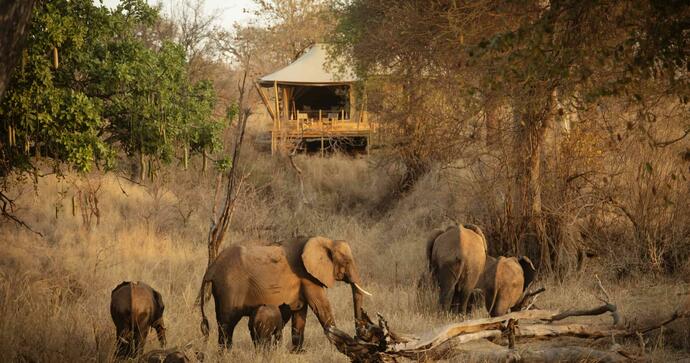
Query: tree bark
x=142 y=167
x=186 y=156
x=15 y=17
x=531 y=125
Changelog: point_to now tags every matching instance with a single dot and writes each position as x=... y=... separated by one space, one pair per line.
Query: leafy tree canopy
x=92 y=81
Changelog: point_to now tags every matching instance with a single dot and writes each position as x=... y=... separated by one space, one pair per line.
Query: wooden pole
x=264 y=99
x=277 y=122
x=352 y=104
x=321 y=122
x=286 y=105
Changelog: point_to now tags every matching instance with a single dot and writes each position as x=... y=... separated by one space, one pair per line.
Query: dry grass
x=54 y=292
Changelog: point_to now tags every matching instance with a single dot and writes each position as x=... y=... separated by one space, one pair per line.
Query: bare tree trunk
x=142 y=166
x=204 y=160
x=220 y=225
x=492 y=123
x=529 y=148
x=14 y=21
x=186 y=156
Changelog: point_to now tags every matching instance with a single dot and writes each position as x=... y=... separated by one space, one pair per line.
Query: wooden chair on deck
x=303 y=119
x=331 y=117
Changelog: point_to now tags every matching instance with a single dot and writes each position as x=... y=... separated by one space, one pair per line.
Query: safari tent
x=312 y=106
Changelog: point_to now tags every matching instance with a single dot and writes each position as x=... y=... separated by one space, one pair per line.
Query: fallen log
x=376 y=343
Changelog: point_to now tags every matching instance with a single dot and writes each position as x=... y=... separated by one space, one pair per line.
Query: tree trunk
x=527 y=197
x=203 y=162
x=186 y=156
x=493 y=124
x=142 y=167
x=536 y=227
x=14 y=22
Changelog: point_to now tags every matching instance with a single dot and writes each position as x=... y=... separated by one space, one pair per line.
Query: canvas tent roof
x=310 y=69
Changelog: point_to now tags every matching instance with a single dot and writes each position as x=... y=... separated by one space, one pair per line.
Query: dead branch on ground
x=377 y=343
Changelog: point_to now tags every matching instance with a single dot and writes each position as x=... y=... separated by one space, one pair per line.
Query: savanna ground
x=55 y=291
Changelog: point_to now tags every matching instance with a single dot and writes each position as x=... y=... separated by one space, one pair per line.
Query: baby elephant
x=135 y=308
x=266 y=324
x=504 y=281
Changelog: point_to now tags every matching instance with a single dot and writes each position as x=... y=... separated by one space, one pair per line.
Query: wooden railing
x=308 y=126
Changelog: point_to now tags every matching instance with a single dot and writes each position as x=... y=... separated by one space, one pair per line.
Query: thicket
x=94 y=82
x=571 y=117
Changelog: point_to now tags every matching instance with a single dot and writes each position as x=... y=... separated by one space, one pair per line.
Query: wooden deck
x=317 y=128
x=323 y=128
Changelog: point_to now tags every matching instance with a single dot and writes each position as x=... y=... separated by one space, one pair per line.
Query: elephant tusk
x=365 y=292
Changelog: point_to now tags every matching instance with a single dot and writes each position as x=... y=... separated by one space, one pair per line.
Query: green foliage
x=114 y=88
x=223 y=164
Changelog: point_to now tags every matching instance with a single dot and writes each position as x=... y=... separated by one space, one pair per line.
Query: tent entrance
x=318 y=102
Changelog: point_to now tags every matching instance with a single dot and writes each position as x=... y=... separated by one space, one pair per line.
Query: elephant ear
x=528 y=271
x=159 y=306
x=316 y=257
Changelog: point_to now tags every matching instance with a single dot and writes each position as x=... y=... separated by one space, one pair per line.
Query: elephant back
x=445 y=247
x=254 y=275
x=510 y=277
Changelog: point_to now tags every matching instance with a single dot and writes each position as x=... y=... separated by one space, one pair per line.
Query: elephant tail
x=201 y=298
x=204 y=295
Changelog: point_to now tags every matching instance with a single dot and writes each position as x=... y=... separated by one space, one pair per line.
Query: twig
x=299 y=175
x=7 y=202
x=532 y=302
x=614 y=312
x=117 y=177
x=608 y=297
x=526 y=297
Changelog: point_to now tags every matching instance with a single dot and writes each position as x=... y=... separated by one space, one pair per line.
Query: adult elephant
x=295 y=272
x=456 y=258
x=504 y=281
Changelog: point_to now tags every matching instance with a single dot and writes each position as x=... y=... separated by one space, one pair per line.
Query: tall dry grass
x=54 y=291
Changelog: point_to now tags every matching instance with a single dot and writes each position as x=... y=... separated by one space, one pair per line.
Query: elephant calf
x=504 y=281
x=135 y=308
x=266 y=324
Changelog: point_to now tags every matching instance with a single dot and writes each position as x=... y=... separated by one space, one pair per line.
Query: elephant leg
x=124 y=341
x=447 y=279
x=226 y=328
x=463 y=298
x=299 y=320
x=252 y=333
x=160 y=332
x=138 y=340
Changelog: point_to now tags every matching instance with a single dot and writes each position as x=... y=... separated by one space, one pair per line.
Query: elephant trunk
x=357 y=293
x=357 y=298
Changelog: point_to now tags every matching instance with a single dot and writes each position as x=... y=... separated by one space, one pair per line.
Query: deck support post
x=276 y=123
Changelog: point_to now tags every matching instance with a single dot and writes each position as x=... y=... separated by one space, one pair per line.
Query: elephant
x=266 y=324
x=173 y=355
x=456 y=258
x=295 y=272
x=135 y=308
x=504 y=281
